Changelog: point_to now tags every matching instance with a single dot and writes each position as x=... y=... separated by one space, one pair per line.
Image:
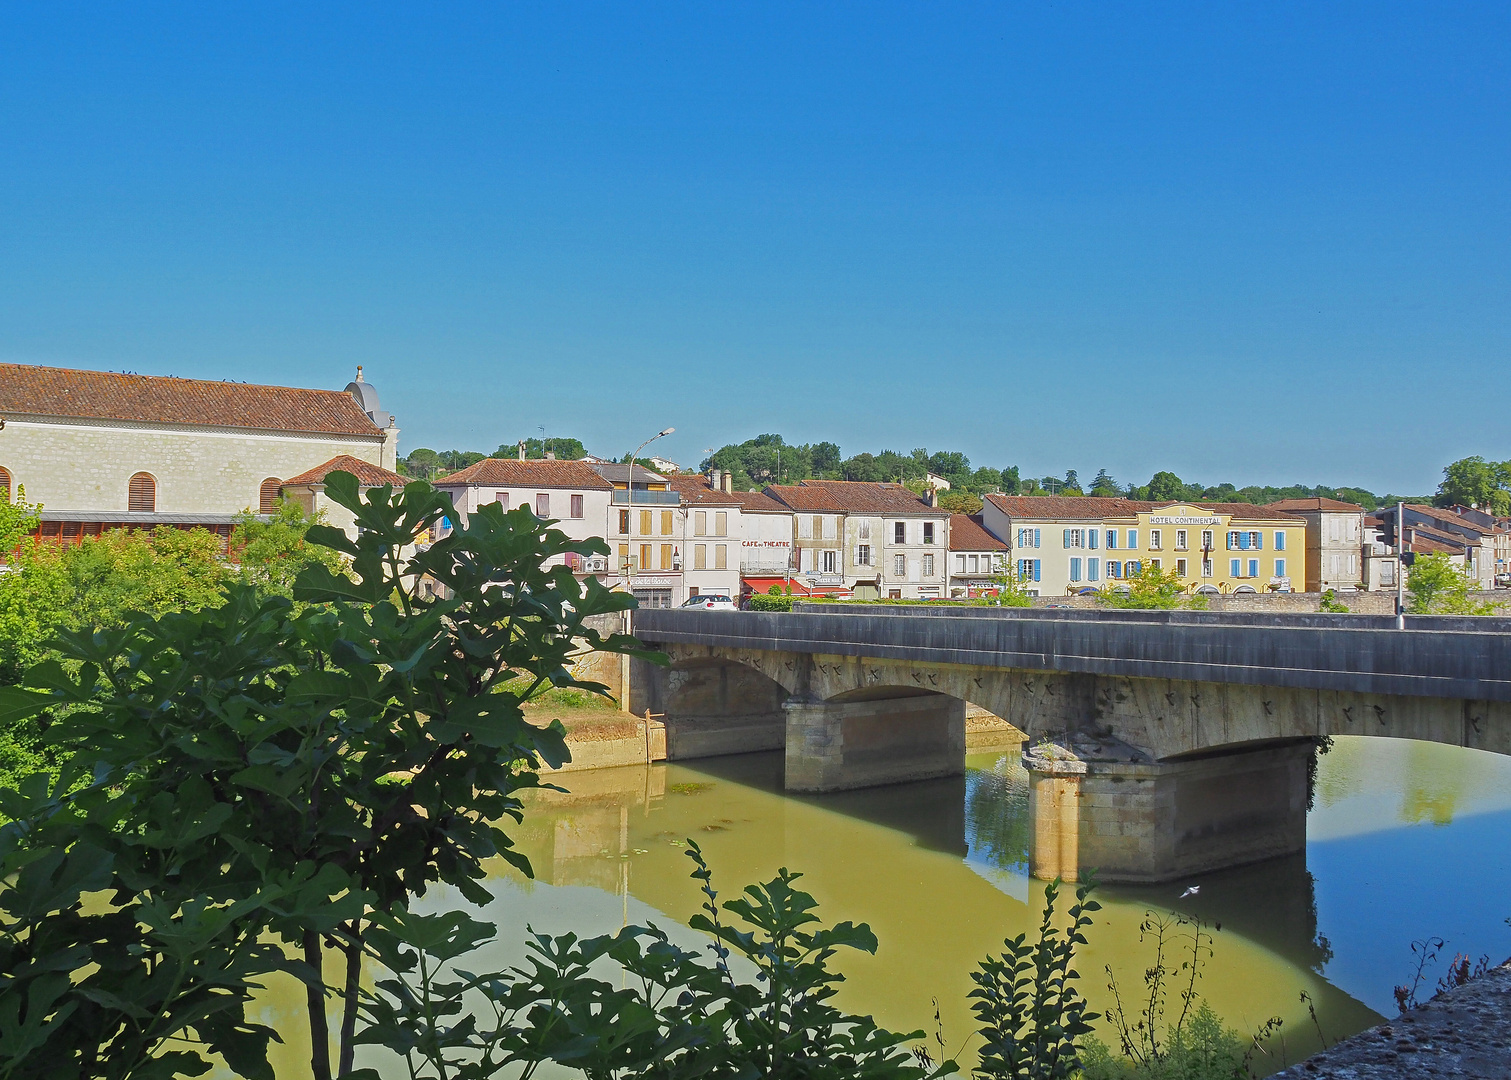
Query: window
x=1280 y=568
x=1132 y=568
x=865 y=528
x=831 y=524
x=1072 y=538
x=900 y=566
x=267 y=496
x=1112 y=539
x=700 y=556
x=502 y=498
x=804 y=527
x=1253 y=568
x=645 y=557
x=1235 y=568
x=928 y=532
x=624 y=523
x=830 y=558
x=666 y=523
x=1256 y=540
x=1279 y=542
x=1157 y=564
x=141 y=493
x=863 y=555
x=721 y=556
x=542 y=505
x=1091 y=569
x=666 y=556
x=1206 y=568
x=721 y=523
x=576 y=506
x=1132 y=539
x=1206 y=540
x=1092 y=536
x=700 y=523
x=1180 y=539
x=1156 y=539
x=624 y=557
x=645 y=523
x=5 y=490
x=975 y=563
x=1180 y=567
x=899 y=532
x=1114 y=568
x=928 y=566
x=1028 y=569
x=1028 y=538
x=1075 y=569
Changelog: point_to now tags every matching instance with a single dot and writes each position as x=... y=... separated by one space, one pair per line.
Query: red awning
x=798 y=586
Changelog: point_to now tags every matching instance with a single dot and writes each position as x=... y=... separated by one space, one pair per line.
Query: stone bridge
x=1161 y=744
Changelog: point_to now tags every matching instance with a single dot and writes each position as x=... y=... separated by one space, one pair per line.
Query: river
x=1406 y=840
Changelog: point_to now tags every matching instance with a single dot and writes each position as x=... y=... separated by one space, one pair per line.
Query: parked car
x=710 y=601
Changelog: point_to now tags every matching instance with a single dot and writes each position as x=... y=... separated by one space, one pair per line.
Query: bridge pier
x=834 y=745
x=710 y=709
x=1145 y=822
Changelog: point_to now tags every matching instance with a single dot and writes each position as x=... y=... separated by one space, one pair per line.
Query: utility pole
x=1400 y=566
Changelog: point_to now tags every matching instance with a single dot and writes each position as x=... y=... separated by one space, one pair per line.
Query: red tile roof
x=967 y=534
x=852 y=497
x=367 y=474
x=509 y=472
x=108 y=395
x=1456 y=520
x=1092 y=507
x=695 y=489
x=1293 y=505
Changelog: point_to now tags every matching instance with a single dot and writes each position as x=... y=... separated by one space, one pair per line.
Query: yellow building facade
x=1066 y=545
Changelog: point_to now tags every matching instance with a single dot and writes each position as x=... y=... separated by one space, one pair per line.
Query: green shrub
x=770 y=603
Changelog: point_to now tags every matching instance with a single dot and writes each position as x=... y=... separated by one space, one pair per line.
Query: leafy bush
x=672 y=1012
x=254 y=781
x=1436 y=586
x=1151 y=588
x=771 y=603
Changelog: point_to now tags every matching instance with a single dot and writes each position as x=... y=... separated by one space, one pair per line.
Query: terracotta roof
x=616 y=472
x=1449 y=516
x=539 y=473
x=967 y=534
x=1093 y=507
x=1426 y=541
x=1314 y=504
x=695 y=488
x=852 y=497
x=367 y=474
x=754 y=502
x=108 y=395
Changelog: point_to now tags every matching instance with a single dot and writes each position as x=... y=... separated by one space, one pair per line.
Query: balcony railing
x=646 y=498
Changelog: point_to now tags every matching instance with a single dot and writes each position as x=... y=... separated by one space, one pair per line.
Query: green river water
x=1406 y=840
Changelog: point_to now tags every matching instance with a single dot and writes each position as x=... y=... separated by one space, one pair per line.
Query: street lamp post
x=629 y=494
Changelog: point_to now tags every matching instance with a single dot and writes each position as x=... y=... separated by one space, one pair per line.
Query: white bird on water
x=1190 y=891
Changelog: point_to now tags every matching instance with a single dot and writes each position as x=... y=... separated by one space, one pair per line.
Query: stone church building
x=105 y=449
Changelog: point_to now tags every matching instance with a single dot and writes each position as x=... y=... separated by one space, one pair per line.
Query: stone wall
x=88 y=466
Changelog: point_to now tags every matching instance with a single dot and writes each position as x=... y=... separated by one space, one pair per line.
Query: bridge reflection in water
x=940 y=870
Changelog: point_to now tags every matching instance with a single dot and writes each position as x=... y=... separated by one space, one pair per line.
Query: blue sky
x=1263 y=244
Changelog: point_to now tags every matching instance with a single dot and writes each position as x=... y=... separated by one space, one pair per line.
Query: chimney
x=715 y=480
x=522 y=449
x=729 y=483
x=550 y=455
x=933 y=496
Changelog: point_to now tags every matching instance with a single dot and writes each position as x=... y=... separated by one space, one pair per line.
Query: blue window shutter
x=1233 y=568
x=1075 y=569
x=1067 y=538
x=1253 y=568
x=1092 y=535
x=1091 y=569
x=1280 y=568
x=1038 y=542
x=1279 y=541
x=1259 y=540
x=1132 y=538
